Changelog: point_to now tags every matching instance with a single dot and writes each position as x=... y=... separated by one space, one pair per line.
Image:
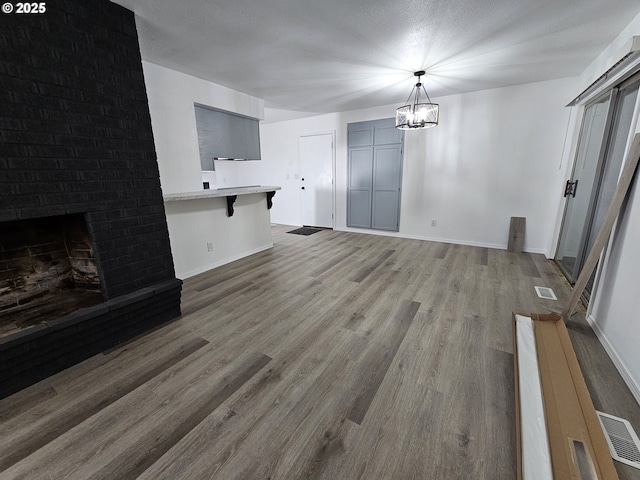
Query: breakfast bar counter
x=230 y=193
x=219 y=192
x=225 y=224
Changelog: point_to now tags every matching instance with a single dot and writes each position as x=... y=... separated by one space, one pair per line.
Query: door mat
x=305 y=231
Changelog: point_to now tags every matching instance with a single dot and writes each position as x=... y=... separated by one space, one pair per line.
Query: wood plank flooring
x=331 y=356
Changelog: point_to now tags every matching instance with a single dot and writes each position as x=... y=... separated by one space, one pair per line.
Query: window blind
x=226 y=136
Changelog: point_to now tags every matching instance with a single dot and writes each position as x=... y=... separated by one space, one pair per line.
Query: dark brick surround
x=75 y=137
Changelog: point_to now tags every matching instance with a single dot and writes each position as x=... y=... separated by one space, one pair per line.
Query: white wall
x=194 y=223
x=496 y=154
x=615 y=305
x=172 y=95
x=281 y=161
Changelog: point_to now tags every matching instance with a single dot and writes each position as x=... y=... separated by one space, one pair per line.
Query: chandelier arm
x=427 y=94
x=409 y=97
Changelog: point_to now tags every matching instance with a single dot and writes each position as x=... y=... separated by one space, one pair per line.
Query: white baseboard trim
x=615 y=358
x=468 y=243
x=224 y=261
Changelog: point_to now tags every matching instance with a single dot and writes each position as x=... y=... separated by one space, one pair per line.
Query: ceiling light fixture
x=417 y=114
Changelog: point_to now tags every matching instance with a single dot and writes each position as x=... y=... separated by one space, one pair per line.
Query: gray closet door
x=387 y=165
x=375 y=175
x=360 y=187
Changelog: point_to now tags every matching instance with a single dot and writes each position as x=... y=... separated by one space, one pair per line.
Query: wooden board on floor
x=516 y=234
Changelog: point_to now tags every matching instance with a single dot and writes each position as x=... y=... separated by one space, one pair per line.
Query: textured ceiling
x=338 y=55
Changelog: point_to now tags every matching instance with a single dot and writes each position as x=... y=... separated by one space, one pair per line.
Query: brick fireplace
x=85 y=260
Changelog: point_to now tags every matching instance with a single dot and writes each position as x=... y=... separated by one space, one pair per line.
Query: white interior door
x=316 y=180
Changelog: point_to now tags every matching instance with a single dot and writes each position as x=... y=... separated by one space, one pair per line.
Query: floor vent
x=546 y=293
x=623 y=441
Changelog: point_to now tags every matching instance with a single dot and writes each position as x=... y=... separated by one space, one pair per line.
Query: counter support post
x=270 y=199
x=230 y=201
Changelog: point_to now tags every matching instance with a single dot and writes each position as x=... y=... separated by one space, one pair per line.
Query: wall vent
x=546 y=293
x=622 y=439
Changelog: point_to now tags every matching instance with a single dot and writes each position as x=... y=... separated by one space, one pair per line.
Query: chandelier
x=418 y=114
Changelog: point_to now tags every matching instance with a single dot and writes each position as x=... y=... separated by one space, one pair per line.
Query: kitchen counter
x=224 y=225
x=220 y=192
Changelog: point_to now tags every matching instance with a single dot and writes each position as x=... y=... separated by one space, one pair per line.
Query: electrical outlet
x=433 y=223
x=209 y=246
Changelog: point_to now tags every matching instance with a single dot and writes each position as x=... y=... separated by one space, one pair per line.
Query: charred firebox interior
x=48 y=270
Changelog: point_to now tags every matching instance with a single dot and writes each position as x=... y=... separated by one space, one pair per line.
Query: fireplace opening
x=47 y=270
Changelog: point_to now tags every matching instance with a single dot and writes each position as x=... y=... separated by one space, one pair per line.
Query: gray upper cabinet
x=375 y=174
x=226 y=135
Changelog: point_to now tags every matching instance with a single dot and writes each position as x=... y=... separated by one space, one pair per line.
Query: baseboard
x=468 y=243
x=615 y=358
x=211 y=266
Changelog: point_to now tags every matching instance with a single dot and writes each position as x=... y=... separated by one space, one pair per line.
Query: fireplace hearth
x=85 y=260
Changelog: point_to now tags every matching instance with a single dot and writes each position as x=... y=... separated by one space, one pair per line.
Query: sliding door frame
x=603 y=157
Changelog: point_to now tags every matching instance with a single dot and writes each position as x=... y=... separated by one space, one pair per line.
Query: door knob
x=302 y=188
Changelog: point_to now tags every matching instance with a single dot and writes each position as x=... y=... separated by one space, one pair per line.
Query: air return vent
x=623 y=441
x=546 y=293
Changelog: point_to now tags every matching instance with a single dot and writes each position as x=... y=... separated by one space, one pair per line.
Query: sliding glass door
x=579 y=188
x=603 y=138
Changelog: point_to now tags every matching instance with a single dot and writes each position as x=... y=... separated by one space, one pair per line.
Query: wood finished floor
x=331 y=356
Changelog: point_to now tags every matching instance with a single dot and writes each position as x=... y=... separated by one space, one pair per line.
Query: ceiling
x=337 y=55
